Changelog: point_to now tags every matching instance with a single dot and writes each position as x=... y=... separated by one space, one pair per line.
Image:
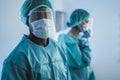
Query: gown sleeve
x=85 y=50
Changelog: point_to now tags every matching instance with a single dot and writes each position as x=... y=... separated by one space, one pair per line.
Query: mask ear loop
x=81 y=27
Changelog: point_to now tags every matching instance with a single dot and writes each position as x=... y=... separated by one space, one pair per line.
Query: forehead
x=41 y=9
x=44 y=9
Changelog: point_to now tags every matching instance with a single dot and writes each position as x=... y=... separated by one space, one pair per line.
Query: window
x=60 y=21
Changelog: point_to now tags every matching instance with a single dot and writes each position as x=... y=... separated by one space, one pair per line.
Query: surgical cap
x=77 y=17
x=31 y=5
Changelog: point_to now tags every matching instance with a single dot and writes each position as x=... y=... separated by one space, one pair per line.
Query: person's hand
x=86 y=34
x=87 y=29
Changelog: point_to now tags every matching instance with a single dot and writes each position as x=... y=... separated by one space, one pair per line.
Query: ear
x=83 y=23
x=30 y=28
x=80 y=27
x=29 y=25
x=27 y=22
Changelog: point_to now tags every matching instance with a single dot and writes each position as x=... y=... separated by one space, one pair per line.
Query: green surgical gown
x=29 y=61
x=80 y=61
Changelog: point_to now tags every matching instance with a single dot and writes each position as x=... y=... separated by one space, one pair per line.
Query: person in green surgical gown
x=76 y=40
x=37 y=56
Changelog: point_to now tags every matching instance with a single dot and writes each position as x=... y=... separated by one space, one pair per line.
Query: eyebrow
x=37 y=11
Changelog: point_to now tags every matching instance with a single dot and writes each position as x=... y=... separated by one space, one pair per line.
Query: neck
x=39 y=41
x=74 y=32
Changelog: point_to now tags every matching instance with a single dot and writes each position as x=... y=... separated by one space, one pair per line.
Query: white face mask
x=43 y=28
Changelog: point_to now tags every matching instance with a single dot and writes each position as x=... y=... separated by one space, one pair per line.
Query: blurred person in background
x=76 y=40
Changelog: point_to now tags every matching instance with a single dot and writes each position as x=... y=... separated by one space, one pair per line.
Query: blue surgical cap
x=77 y=17
x=30 y=5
